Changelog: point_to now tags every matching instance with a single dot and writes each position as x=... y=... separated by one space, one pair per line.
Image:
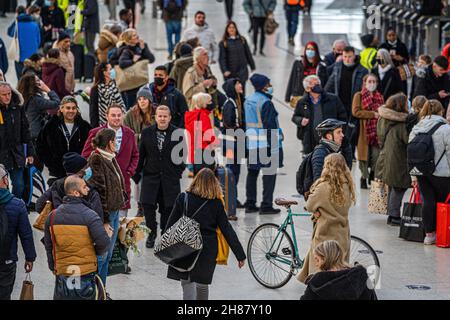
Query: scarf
x=331 y=144
x=106 y=154
x=371 y=103
x=382 y=71
x=108 y=94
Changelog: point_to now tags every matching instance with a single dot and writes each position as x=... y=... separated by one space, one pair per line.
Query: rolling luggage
x=78 y=53
x=228 y=183
x=88 y=67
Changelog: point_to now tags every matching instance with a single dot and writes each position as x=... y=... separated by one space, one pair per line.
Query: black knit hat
x=62 y=35
x=73 y=162
x=367 y=39
x=442 y=62
x=185 y=49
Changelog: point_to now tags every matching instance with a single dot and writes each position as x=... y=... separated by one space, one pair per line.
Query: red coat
x=205 y=141
x=54 y=77
x=127 y=158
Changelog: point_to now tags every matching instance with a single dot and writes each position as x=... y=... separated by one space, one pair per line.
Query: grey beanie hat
x=146 y=93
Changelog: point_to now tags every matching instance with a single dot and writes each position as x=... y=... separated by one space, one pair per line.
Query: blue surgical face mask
x=310 y=54
x=48 y=3
x=87 y=174
x=269 y=90
x=112 y=74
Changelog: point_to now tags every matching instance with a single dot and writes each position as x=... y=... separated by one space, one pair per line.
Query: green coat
x=392 y=166
x=133 y=121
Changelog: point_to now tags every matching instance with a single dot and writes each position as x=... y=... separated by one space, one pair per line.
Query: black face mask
x=379 y=61
x=317 y=88
x=159 y=81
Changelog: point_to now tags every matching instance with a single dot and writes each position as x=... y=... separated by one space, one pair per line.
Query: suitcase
x=228 y=183
x=443 y=223
x=78 y=53
x=88 y=67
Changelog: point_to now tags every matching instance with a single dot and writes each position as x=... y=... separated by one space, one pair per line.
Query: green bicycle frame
x=289 y=221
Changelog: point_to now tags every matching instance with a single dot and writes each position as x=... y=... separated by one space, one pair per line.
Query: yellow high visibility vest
x=367 y=56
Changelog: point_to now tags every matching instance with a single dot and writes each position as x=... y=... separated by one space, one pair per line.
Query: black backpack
x=304 y=176
x=420 y=153
x=4 y=241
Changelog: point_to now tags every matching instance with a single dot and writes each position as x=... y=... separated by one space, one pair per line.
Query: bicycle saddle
x=284 y=202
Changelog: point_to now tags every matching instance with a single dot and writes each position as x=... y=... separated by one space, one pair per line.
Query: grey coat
x=441 y=142
x=36 y=111
x=259 y=8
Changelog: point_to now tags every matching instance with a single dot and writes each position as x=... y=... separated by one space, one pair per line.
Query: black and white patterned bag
x=181 y=244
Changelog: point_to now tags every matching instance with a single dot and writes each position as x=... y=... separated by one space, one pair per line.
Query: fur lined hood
x=108 y=35
x=52 y=61
x=30 y=64
x=392 y=115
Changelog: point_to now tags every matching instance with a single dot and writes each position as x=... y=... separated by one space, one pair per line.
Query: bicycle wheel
x=271 y=258
x=363 y=254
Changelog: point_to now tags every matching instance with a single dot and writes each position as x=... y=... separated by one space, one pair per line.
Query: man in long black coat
x=161 y=172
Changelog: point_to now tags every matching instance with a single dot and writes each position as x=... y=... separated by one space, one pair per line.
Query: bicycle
x=273 y=256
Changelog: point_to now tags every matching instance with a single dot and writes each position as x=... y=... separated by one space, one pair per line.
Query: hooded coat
x=332 y=224
x=441 y=142
x=52 y=143
x=231 y=112
x=179 y=70
x=68 y=63
x=29 y=36
x=347 y=284
x=392 y=165
x=53 y=74
x=14 y=133
x=106 y=42
x=206 y=38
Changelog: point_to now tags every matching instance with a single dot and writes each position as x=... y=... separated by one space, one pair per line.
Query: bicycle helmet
x=329 y=125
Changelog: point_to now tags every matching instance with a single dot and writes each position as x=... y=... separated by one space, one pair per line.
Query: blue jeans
x=173 y=27
x=103 y=261
x=18 y=185
x=292 y=20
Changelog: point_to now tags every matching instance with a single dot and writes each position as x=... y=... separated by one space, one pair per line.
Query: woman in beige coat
x=330 y=200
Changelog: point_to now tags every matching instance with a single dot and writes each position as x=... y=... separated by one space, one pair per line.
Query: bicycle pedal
x=286 y=251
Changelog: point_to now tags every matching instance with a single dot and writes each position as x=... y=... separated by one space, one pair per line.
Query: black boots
x=150 y=243
x=363 y=183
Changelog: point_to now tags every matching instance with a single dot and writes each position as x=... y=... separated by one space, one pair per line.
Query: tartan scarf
x=371 y=103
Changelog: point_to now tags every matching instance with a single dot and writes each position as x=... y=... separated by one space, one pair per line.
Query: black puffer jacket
x=55 y=195
x=235 y=57
x=52 y=143
x=14 y=133
x=347 y=284
x=124 y=55
x=229 y=112
x=36 y=110
x=391 y=83
x=430 y=85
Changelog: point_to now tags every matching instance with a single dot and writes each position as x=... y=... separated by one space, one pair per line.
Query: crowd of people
x=347 y=105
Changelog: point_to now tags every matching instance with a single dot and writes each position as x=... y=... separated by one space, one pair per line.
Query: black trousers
x=268 y=189
x=433 y=189
x=229 y=8
x=258 y=26
x=7 y=279
x=150 y=213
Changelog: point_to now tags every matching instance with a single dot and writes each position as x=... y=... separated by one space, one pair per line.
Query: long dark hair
x=103 y=138
x=316 y=58
x=27 y=86
x=226 y=35
x=99 y=77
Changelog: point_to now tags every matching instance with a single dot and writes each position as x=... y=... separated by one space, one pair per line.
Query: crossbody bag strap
x=431 y=132
x=387 y=87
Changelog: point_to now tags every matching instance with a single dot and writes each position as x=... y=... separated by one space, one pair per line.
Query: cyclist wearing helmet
x=332 y=135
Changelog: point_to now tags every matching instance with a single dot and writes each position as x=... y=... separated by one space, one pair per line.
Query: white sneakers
x=429 y=240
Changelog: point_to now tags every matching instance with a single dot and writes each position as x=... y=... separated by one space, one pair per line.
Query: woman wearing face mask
x=235 y=55
x=385 y=70
x=104 y=93
x=365 y=108
x=307 y=65
x=396 y=48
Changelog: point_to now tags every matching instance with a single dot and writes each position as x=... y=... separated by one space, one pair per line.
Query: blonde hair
x=332 y=255
x=205 y=185
x=126 y=36
x=418 y=103
x=201 y=100
x=431 y=107
x=336 y=173
x=163 y=108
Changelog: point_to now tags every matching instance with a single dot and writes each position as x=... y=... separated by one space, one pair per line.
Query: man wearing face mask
x=313 y=108
x=73 y=164
x=436 y=83
x=65 y=132
x=164 y=92
x=264 y=138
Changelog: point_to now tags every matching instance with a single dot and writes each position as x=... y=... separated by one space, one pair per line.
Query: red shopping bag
x=443 y=224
